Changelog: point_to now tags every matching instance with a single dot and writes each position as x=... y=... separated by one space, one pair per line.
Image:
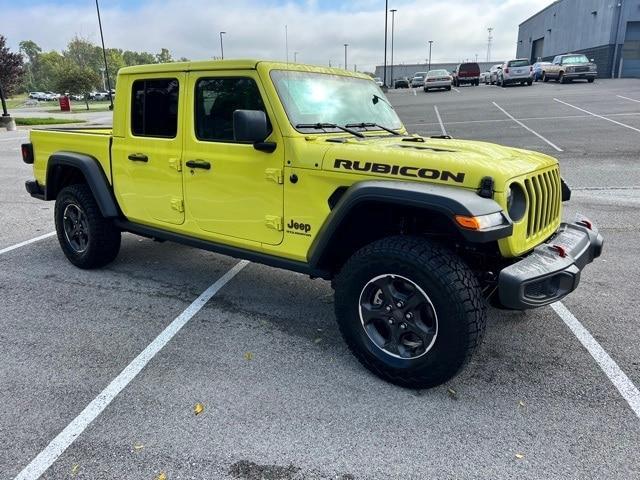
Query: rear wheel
x=449 y=88
x=590 y=80
x=409 y=310
x=87 y=239
x=545 y=79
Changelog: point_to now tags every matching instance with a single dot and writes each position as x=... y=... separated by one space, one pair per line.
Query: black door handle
x=138 y=157
x=198 y=164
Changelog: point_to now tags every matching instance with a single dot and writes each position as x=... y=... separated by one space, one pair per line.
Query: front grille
x=544 y=193
x=582 y=69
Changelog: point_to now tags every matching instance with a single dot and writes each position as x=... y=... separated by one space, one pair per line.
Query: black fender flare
x=443 y=199
x=94 y=175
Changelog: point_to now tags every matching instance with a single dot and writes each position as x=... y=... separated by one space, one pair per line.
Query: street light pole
x=430 y=43
x=345 y=55
x=393 y=22
x=221 y=46
x=295 y=57
x=386 y=10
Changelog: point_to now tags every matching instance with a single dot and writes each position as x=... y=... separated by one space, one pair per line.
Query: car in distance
x=466 y=73
x=515 y=72
x=378 y=81
x=566 y=68
x=401 y=83
x=484 y=77
x=494 y=71
x=243 y=158
x=417 y=81
x=538 y=68
x=437 y=79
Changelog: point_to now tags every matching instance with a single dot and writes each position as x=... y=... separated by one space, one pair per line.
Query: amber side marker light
x=481 y=222
x=471 y=223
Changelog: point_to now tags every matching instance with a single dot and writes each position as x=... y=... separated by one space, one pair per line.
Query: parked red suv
x=466 y=73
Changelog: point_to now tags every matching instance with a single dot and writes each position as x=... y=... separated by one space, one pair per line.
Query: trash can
x=65 y=103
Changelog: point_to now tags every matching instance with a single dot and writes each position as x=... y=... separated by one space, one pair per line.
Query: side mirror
x=252 y=126
x=592 y=60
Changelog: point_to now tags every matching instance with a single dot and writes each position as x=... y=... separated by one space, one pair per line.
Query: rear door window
x=154 y=107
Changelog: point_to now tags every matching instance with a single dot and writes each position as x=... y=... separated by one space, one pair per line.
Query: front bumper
x=552 y=270
x=573 y=75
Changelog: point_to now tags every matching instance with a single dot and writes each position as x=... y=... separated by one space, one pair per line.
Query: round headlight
x=516 y=202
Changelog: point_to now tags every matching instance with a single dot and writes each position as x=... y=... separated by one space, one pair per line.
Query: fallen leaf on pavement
x=248 y=356
x=519 y=456
x=138 y=446
x=162 y=476
x=198 y=408
x=452 y=393
x=74 y=469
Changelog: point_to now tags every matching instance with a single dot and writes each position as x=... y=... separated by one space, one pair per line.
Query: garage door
x=536 y=50
x=631 y=51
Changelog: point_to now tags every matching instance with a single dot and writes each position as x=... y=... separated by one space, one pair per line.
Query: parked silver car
x=494 y=72
x=516 y=71
x=437 y=79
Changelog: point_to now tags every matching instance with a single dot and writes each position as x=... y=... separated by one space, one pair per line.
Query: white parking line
x=619 y=379
x=527 y=128
x=58 y=445
x=599 y=116
x=444 y=132
x=27 y=242
x=455 y=89
x=627 y=98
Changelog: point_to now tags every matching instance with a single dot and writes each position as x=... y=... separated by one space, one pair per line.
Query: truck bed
x=89 y=141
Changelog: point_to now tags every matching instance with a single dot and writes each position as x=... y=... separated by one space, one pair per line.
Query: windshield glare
x=311 y=98
x=438 y=73
x=575 y=59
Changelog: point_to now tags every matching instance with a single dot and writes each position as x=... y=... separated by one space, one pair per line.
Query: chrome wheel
x=398 y=316
x=76 y=228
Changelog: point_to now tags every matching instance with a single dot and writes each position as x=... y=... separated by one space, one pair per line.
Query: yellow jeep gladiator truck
x=310 y=169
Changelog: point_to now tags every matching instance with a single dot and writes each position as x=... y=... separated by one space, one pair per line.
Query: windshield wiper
x=324 y=126
x=371 y=125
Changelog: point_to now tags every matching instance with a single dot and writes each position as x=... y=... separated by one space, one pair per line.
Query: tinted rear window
x=469 y=68
x=154 y=108
x=519 y=63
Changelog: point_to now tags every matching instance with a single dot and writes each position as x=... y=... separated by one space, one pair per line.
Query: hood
x=461 y=163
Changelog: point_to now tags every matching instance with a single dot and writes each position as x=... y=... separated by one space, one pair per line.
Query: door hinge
x=274 y=174
x=177 y=204
x=175 y=163
x=274 y=221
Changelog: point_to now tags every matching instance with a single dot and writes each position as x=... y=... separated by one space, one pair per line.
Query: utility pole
x=221 y=46
x=386 y=9
x=5 y=120
x=295 y=57
x=489 y=41
x=345 y=55
x=430 y=43
x=393 y=22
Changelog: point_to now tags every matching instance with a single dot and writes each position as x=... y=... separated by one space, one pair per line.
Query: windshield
x=438 y=73
x=575 y=59
x=312 y=98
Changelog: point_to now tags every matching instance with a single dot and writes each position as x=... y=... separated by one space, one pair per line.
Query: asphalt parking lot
x=283 y=398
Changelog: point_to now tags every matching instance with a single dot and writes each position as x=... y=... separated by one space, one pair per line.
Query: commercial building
x=607 y=31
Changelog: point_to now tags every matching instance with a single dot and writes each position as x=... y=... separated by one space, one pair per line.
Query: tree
x=11 y=68
x=76 y=80
x=137 y=58
x=31 y=51
x=164 y=56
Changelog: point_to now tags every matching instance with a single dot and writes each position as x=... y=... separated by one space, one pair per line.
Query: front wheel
x=590 y=80
x=410 y=311
x=87 y=239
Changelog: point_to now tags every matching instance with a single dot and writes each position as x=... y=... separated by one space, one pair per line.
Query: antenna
x=286 y=42
x=104 y=54
x=489 y=42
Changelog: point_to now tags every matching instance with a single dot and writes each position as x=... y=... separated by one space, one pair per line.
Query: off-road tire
x=452 y=289
x=102 y=237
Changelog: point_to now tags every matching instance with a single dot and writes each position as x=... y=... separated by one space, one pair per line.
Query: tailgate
x=88 y=141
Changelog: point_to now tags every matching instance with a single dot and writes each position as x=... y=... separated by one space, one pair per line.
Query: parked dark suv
x=466 y=73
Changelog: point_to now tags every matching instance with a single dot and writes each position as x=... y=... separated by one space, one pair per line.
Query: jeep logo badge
x=299 y=228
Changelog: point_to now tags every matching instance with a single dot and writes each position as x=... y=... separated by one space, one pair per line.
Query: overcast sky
x=317 y=29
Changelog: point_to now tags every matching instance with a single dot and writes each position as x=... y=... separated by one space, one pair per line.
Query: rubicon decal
x=412 y=172
x=299 y=228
